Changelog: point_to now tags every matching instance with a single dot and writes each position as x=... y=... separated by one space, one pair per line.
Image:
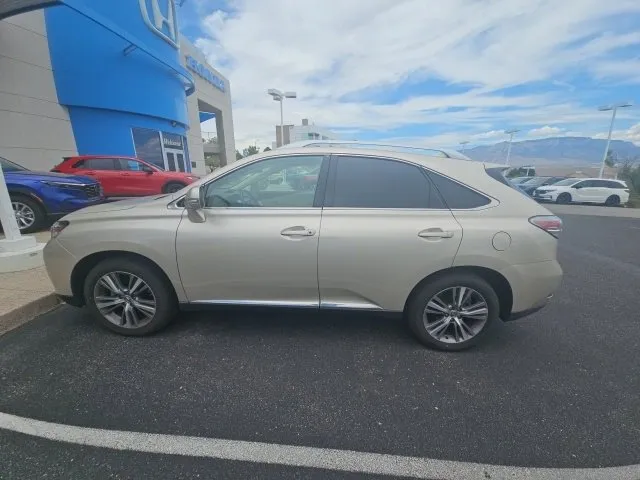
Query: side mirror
x=577 y=187
x=146 y=169
x=194 y=204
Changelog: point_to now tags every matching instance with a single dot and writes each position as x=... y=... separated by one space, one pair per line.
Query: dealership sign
x=204 y=72
x=160 y=17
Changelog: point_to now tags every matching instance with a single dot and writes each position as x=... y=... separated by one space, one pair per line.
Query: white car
x=585 y=190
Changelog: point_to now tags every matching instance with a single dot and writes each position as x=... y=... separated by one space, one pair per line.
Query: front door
x=384 y=229
x=259 y=243
x=135 y=181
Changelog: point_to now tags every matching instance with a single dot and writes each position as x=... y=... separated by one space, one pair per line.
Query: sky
x=425 y=72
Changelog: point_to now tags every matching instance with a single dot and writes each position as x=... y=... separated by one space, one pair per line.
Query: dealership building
x=106 y=77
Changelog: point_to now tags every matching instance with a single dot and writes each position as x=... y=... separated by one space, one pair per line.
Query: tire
x=33 y=216
x=564 y=198
x=173 y=187
x=159 y=292
x=612 y=201
x=452 y=337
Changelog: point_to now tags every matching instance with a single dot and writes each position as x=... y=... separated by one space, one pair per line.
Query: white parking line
x=296 y=456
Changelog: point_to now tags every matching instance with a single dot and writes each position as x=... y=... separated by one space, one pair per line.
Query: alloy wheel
x=125 y=299
x=25 y=216
x=455 y=314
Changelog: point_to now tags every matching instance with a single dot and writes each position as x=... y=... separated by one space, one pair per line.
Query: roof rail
x=435 y=152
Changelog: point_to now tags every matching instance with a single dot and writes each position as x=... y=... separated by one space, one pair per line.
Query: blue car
x=41 y=197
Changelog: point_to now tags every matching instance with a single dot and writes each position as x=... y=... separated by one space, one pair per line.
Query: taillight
x=549 y=223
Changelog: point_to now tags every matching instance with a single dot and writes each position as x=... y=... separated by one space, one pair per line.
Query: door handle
x=435 y=233
x=298 y=231
x=91 y=174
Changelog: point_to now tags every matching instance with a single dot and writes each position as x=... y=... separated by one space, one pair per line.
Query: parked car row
x=574 y=190
x=41 y=197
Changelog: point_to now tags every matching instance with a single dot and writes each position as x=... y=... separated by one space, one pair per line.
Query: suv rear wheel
x=129 y=296
x=453 y=312
x=612 y=201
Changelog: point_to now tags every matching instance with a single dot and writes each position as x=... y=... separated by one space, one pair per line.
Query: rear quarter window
x=456 y=195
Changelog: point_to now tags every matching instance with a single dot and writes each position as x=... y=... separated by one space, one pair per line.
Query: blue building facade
x=107 y=77
x=122 y=100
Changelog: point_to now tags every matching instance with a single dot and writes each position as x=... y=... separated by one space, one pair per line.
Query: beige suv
x=445 y=240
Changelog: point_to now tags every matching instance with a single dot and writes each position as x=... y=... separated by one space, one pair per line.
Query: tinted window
x=148 y=146
x=363 y=182
x=287 y=182
x=612 y=184
x=455 y=195
x=130 y=165
x=600 y=183
x=584 y=184
x=97 y=164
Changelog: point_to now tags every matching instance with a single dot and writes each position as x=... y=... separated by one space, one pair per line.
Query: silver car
x=448 y=242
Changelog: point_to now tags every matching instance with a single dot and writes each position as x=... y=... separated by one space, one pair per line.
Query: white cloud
x=545 y=131
x=631 y=134
x=347 y=47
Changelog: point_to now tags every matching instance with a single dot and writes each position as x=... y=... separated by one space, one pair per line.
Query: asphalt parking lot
x=558 y=389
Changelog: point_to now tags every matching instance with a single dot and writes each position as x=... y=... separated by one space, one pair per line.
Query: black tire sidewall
x=611 y=202
x=40 y=215
x=169 y=187
x=166 y=303
x=419 y=301
x=564 y=198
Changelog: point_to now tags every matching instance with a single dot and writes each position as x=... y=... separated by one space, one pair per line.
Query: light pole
x=608 y=108
x=511 y=133
x=464 y=145
x=279 y=96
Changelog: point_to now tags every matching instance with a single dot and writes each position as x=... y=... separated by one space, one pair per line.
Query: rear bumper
x=532 y=285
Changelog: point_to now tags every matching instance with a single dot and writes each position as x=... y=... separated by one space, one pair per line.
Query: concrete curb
x=27 y=312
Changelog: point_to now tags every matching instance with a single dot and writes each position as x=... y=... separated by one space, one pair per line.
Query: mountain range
x=555 y=150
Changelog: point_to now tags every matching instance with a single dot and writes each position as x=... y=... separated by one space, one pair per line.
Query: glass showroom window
x=148 y=146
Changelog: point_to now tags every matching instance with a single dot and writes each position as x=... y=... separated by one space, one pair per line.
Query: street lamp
x=511 y=133
x=279 y=96
x=464 y=145
x=608 y=108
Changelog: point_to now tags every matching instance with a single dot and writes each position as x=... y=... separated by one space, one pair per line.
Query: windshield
x=8 y=166
x=566 y=182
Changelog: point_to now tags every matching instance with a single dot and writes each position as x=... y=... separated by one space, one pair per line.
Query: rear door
x=601 y=190
x=105 y=170
x=384 y=228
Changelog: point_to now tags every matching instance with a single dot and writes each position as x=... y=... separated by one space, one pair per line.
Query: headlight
x=73 y=186
x=57 y=227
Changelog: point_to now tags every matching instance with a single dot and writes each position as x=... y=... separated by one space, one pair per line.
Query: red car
x=126 y=176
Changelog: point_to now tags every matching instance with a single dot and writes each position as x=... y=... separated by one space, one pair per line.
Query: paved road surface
x=559 y=389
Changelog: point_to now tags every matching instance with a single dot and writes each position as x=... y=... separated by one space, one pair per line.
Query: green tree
x=267 y=149
x=238 y=155
x=250 y=150
x=212 y=161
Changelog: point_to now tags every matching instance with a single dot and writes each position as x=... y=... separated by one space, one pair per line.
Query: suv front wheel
x=129 y=296
x=453 y=312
